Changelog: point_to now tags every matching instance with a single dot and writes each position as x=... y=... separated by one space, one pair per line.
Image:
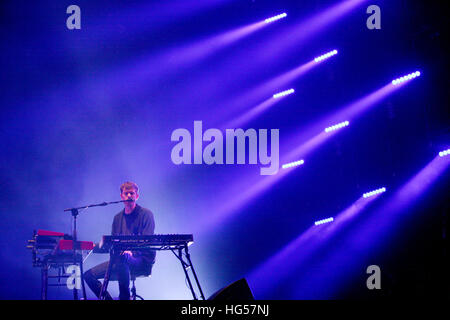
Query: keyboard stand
x=59 y=263
x=186 y=265
x=103 y=291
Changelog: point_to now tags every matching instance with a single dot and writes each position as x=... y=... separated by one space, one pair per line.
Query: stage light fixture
x=337 y=126
x=406 y=78
x=444 y=153
x=293 y=164
x=283 y=93
x=327 y=220
x=374 y=192
x=275 y=18
x=326 y=56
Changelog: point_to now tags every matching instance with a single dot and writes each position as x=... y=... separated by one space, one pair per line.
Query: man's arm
x=114 y=230
x=148 y=223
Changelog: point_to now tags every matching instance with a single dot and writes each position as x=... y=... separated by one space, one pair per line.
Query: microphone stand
x=76 y=244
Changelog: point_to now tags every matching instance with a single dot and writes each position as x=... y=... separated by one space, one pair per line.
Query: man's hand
x=127 y=253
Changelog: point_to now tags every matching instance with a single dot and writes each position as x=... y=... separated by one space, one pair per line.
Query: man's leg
x=123 y=276
x=123 y=273
x=91 y=277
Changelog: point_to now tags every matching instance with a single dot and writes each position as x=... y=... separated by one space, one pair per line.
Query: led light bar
x=444 y=153
x=283 y=93
x=406 y=78
x=293 y=164
x=374 y=192
x=327 y=220
x=325 y=56
x=337 y=126
x=275 y=18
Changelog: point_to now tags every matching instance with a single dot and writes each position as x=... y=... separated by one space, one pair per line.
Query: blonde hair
x=129 y=185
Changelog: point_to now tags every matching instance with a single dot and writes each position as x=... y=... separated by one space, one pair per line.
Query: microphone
x=127 y=200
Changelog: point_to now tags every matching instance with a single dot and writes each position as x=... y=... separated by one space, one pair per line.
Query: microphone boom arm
x=97 y=205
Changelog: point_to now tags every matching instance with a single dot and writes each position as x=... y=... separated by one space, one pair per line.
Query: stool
x=134 y=295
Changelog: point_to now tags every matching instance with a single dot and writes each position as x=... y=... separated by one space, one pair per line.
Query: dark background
x=85 y=110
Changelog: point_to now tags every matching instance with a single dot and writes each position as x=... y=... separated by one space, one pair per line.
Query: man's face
x=129 y=194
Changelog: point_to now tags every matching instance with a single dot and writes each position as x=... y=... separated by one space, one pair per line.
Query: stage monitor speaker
x=238 y=290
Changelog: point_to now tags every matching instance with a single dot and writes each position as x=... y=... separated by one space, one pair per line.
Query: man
x=132 y=220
